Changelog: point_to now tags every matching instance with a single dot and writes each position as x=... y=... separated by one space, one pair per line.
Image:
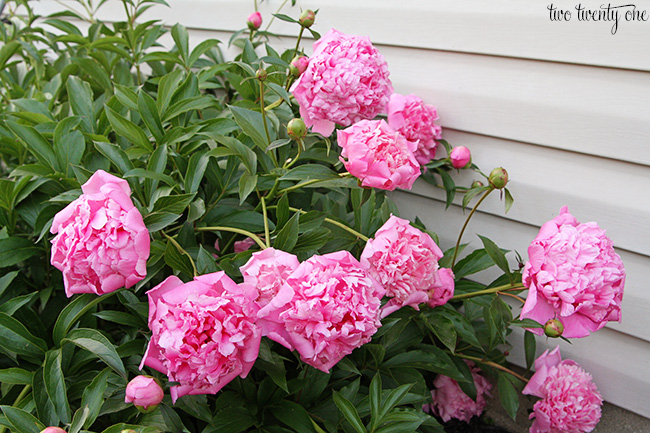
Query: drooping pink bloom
x=254 y=21
x=460 y=156
x=243 y=245
x=405 y=261
x=143 y=391
x=267 y=270
x=574 y=275
x=382 y=158
x=326 y=308
x=203 y=332
x=449 y=401
x=101 y=242
x=411 y=117
x=346 y=81
x=570 y=401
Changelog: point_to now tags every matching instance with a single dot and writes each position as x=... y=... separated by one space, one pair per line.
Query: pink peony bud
x=298 y=65
x=307 y=18
x=244 y=245
x=254 y=21
x=553 y=328
x=460 y=157
x=53 y=430
x=498 y=178
x=296 y=129
x=144 y=392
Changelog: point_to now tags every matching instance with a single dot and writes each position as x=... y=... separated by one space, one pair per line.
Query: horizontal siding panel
x=501 y=27
x=513 y=235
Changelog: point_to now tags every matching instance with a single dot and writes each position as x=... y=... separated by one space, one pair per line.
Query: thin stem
x=274 y=104
x=460 y=235
x=266 y=127
x=338 y=224
x=295 y=50
x=489 y=291
x=266 y=222
x=253 y=236
x=493 y=364
x=293 y=161
x=523 y=301
x=182 y=251
x=300 y=185
x=273 y=16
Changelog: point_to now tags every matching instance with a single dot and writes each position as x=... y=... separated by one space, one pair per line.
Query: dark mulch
x=475 y=425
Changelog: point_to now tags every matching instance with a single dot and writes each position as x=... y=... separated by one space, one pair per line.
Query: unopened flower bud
x=144 y=392
x=498 y=178
x=477 y=184
x=298 y=65
x=307 y=18
x=297 y=129
x=553 y=328
x=53 y=430
x=460 y=156
x=261 y=74
x=254 y=21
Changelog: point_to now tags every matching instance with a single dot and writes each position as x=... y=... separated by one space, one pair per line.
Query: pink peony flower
x=460 y=156
x=254 y=21
x=449 y=401
x=101 y=242
x=573 y=275
x=405 y=261
x=443 y=288
x=53 y=430
x=346 y=81
x=267 y=270
x=243 y=245
x=144 y=391
x=379 y=156
x=298 y=65
x=326 y=308
x=203 y=332
x=414 y=119
x=570 y=402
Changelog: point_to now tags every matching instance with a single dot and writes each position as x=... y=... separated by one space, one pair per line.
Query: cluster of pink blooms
x=573 y=275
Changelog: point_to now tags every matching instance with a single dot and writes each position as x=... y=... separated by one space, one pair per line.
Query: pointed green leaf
x=150 y=116
x=15 y=338
x=349 y=412
x=80 y=96
x=252 y=124
x=288 y=236
x=495 y=254
x=116 y=155
x=22 y=421
x=95 y=342
x=15 y=250
x=127 y=129
x=35 y=143
x=247 y=184
x=55 y=384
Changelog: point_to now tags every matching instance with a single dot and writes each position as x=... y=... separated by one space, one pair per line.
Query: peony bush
x=194 y=243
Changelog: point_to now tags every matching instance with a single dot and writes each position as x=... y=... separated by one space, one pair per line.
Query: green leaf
x=181 y=38
x=349 y=412
x=310 y=172
x=16 y=376
x=374 y=395
x=508 y=395
x=236 y=147
x=469 y=195
x=116 y=155
x=22 y=421
x=205 y=262
x=278 y=143
x=95 y=342
x=293 y=415
x=127 y=129
x=286 y=18
x=7 y=51
x=127 y=97
x=150 y=116
x=174 y=204
x=93 y=396
x=14 y=304
x=195 y=171
x=44 y=406
x=166 y=88
x=433 y=359
x=177 y=260
x=55 y=384
x=394 y=398
x=496 y=254
x=95 y=71
x=530 y=347
x=526 y=323
x=450 y=187
x=79 y=419
x=6 y=280
x=201 y=49
x=118 y=317
x=71 y=314
x=247 y=184
x=15 y=250
x=69 y=145
x=185 y=105
x=35 y=143
x=152 y=175
x=15 y=338
x=509 y=199
x=231 y=420
x=252 y=124
x=172 y=420
x=80 y=96
x=288 y=236
x=477 y=261
x=444 y=329
x=157 y=164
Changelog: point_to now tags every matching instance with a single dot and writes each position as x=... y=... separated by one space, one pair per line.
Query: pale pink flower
x=243 y=245
x=443 y=288
x=414 y=119
x=405 y=261
x=460 y=156
x=326 y=308
x=570 y=401
x=101 y=242
x=203 y=332
x=143 y=391
x=267 y=270
x=53 y=430
x=254 y=21
x=346 y=81
x=449 y=401
x=382 y=158
x=573 y=275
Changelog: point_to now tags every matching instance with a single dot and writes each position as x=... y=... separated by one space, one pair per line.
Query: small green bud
x=307 y=18
x=553 y=328
x=477 y=184
x=261 y=74
x=498 y=178
x=297 y=129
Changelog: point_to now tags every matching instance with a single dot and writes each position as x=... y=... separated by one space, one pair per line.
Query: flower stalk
x=462 y=230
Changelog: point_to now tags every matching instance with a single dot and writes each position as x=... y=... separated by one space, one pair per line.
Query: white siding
x=562 y=105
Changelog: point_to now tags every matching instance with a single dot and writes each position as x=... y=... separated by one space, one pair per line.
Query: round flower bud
x=553 y=328
x=296 y=129
x=498 y=178
x=254 y=21
x=53 y=430
x=261 y=74
x=477 y=184
x=298 y=65
x=307 y=18
x=460 y=157
x=144 y=392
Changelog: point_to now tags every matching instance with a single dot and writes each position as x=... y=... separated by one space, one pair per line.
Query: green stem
x=489 y=291
x=266 y=222
x=295 y=53
x=300 y=185
x=182 y=251
x=253 y=236
x=274 y=104
x=338 y=224
x=266 y=127
x=20 y=397
x=293 y=161
x=493 y=364
x=273 y=16
x=460 y=236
